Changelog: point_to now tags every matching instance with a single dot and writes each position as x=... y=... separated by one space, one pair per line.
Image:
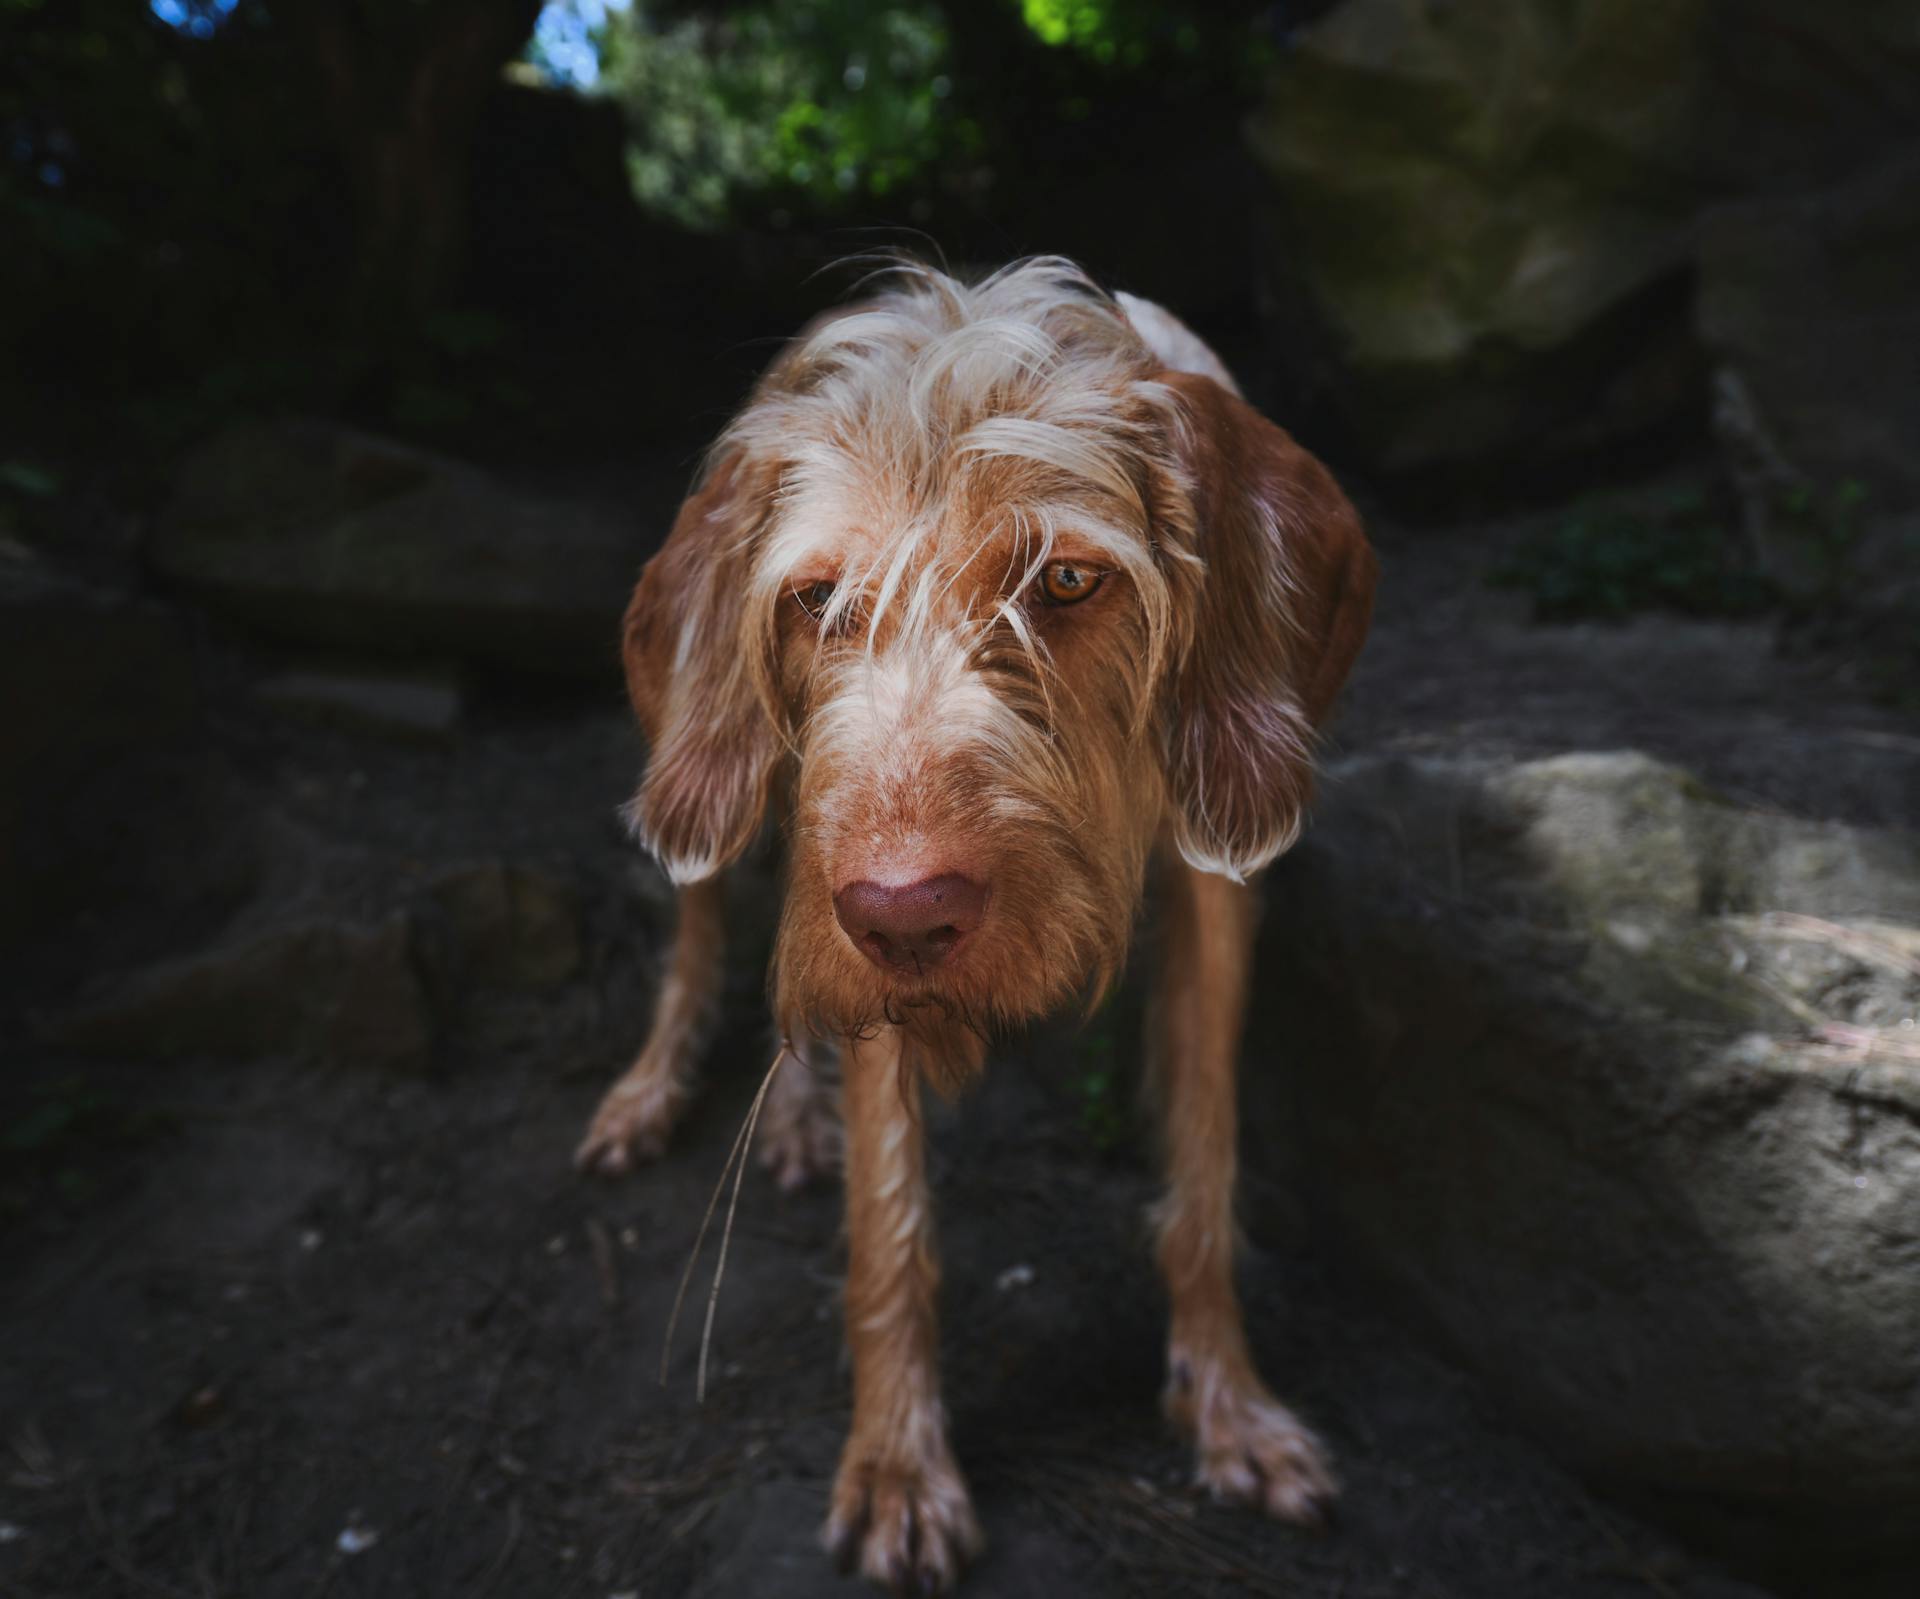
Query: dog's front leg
x=900 y=1509
x=1250 y=1447
x=799 y=1138
x=640 y=1109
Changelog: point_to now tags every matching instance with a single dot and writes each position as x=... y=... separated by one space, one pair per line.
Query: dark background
x=353 y=357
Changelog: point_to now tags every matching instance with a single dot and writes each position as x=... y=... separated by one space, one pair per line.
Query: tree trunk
x=410 y=190
x=404 y=97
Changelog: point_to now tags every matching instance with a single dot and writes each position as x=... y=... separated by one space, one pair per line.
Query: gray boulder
x=1618 y=1085
x=383 y=971
x=1807 y=308
x=497 y=924
x=1482 y=213
x=1473 y=203
x=337 y=991
x=322 y=534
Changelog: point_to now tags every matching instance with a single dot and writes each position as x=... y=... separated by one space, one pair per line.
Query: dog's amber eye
x=812 y=597
x=1068 y=582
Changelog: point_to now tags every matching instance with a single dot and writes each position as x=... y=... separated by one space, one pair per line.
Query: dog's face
x=991 y=602
x=965 y=677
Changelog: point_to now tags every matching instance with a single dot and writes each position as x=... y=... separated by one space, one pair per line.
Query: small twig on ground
x=484 y=1424
x=1628 y=1558
x=507 y=1546
x=1858 y=942
x=111 y=1540
x=1085 y=1496
x=1866 y=1043
x=605 y=1263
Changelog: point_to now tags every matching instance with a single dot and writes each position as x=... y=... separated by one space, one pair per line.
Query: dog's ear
x=690 y=674
x=1278 y=610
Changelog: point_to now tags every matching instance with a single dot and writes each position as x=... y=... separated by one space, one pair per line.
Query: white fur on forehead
x=897 y=401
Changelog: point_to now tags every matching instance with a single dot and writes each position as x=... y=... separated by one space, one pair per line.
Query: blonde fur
x=847 y=628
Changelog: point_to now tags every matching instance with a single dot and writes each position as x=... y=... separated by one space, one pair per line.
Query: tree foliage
x=819 y=98
x=820 y=105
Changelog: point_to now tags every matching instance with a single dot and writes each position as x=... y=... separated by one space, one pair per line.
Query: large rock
x=383 y=973
x=323 y=534
x=494 y=924
x=1476 y=203
x=1808 y=309
x=337 y=991
x=1619 y=1085
x=1483 y=210
x=1801 y=96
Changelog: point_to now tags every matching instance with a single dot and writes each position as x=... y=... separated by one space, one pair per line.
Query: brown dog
x=995 y=594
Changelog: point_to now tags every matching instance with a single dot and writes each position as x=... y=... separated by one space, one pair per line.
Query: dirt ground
x=274 y=1328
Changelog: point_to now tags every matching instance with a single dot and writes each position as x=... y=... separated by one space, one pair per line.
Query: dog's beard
x=1065 y=868
x=1015 y=974
x=945 y=1031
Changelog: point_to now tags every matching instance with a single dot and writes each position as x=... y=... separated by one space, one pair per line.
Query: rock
x=506 y=925
x=322 y=534
x=336 y=991
x=1806 y=306
x=499 y=943
x=1483 y=211
x=352 y=987
x=352 y=960
x=1481 y=220
x=413 y=705
x=1798 y=97
x=1618 y=1085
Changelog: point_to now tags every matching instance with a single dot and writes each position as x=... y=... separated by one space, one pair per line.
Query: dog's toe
x=1250 y=1449
x=909 y=1528
x=801 y=1152
x=630 y=1127
x=1259 y=1454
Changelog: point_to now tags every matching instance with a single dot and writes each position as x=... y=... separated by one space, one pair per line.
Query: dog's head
x=993 y=600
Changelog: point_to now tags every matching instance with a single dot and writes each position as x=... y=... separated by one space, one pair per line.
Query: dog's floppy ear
x=689 y=664
x=1277 y=617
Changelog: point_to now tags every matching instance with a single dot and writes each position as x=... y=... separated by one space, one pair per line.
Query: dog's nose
x=912 y=927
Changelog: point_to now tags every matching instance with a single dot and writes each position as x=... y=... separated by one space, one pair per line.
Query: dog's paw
x=1250 y=1449
x=630 y=1126
x=800 y=1140
x=908 y=1526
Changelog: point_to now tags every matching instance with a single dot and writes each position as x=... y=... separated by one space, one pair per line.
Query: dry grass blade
x=1870 y=1043
x=605 y=1265
x=736 y=1160
x=1874 y=945
x=726 y=1232
x=699 y=1241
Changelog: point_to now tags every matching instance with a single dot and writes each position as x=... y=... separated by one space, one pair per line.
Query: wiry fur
x=928 y=453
